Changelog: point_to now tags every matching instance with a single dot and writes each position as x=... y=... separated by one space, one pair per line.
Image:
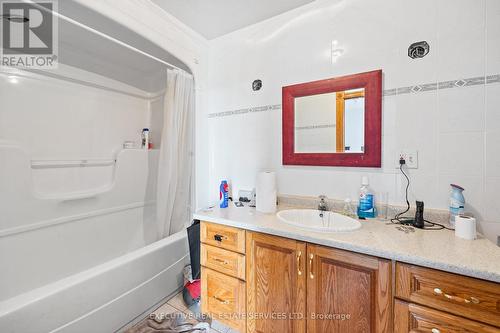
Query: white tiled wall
x=456 y=131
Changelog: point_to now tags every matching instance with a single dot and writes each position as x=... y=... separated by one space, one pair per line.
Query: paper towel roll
x=265 y=192
x=465 y=227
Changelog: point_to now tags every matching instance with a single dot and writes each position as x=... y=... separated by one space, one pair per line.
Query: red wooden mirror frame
x=372 y=155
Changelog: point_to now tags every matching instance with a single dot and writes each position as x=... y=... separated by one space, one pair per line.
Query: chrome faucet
x=323 y=206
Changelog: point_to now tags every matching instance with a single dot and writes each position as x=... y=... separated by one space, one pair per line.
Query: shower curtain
x=174 y=200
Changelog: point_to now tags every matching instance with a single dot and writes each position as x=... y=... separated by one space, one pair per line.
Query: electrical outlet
x=410 y=157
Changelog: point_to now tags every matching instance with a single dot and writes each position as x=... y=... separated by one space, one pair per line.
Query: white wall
x=51 y=119
x=456 y=131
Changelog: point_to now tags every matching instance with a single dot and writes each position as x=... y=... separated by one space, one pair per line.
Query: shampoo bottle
x=366 y=205
x=145 y=138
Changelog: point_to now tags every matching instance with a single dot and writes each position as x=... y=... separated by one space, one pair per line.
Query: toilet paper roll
x=265 y=192
x=465 y=227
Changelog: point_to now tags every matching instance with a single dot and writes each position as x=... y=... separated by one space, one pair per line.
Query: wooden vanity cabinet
x=276 y=284
x=347 y=292
x=260 y=283
x=318 y=289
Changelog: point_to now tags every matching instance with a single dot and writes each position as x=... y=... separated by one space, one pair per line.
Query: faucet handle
x=323 y=205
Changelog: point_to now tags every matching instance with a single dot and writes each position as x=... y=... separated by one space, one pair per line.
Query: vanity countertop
x=438 y=249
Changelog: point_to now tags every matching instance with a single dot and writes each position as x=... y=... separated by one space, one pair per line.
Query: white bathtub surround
x=445 y=105
x=438 y=249
x=188 y=46
x=175 y=189
x=92 y=226
x=103 y=298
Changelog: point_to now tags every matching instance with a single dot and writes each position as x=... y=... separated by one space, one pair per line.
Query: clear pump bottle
x=348 y=210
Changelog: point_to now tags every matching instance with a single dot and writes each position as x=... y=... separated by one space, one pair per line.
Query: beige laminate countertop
x=438 y=249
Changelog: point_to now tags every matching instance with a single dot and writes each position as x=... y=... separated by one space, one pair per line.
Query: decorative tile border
x=460 y=83
x=493 y=79
x=247 y=110
x=473 y=81
x=314 y=127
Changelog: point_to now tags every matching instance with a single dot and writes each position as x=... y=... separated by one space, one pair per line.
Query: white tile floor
x=176 y=304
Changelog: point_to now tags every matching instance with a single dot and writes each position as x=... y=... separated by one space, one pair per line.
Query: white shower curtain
x=174 y=199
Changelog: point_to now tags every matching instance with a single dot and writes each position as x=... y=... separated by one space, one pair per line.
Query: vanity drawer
x=224 y=261
x=416 y=318
x=223 y=298
x=228 y=238
x=468 y=297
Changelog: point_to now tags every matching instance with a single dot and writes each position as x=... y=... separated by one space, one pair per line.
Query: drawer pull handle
x=299 y=272
x=438 y=291
x=219 y=238
x=435 y=330
x=224 y=262
x=220 y=300
x=311 y=274
x=472 y=299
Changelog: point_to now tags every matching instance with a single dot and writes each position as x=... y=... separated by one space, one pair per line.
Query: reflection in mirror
x=330 y=123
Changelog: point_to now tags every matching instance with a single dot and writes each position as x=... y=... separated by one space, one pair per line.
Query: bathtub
x=105 y=298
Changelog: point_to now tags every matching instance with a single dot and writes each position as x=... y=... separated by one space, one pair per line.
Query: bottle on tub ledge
x=146 y=142
x=366 y=205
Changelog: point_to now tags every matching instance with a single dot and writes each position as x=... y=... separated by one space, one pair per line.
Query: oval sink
x=312 y=219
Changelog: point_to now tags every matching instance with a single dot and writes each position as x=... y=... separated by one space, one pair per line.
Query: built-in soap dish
x=71 y=179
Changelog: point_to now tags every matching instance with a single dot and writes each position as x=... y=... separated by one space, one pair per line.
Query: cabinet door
x=276 y=294
x=347 y=292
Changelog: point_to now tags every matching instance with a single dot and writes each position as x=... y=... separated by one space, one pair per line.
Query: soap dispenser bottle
x=348 y=210
x=366 y=205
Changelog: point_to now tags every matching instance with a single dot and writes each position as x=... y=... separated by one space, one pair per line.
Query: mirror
x=330 y=123
x=334 y=122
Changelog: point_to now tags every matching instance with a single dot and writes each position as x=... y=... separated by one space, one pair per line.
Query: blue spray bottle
x=457 y=202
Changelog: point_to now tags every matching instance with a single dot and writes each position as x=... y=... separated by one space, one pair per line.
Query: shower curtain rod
x=81 y=25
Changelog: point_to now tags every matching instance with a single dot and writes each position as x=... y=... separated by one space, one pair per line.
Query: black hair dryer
x=419 y=215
